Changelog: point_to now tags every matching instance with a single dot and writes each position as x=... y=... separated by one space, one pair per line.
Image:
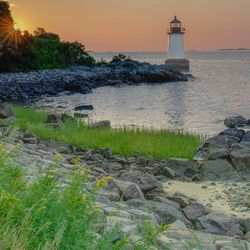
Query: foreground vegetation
x=159 y=144
x=44 y=215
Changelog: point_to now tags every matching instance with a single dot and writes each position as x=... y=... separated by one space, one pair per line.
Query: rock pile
x=83 y=79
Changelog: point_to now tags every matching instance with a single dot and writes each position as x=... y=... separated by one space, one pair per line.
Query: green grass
x=161 y=144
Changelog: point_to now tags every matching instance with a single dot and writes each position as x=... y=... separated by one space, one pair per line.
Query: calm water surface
x=221 y=89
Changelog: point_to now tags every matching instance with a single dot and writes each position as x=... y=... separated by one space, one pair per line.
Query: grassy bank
x=159 y=144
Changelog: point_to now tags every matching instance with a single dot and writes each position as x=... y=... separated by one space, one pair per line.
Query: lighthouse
x=176 y=54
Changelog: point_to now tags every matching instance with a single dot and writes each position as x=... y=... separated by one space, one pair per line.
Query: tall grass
x=160 y=144
x=44 y=216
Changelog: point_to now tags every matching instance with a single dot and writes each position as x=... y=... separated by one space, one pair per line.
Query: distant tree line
x=22 y=51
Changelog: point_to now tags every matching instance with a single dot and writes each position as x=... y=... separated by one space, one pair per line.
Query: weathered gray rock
x=214 y=153
x=247 y=236
x=167 y=201
x=181 y=200
x=165 y=213
x=29 y=138
x=247 y=201
x=169 y=173
x=60 y=147
x=129 y=190
x=246 y=138
x=233 y=134
x=101 y=124
x=54 y=119
x=219 y=170
x=5 y=111
x=189 y=239
x=240 y=157
x=194 y=211
x=146 y=182
x=220 y=224
x=235 y=121
x=179 y=165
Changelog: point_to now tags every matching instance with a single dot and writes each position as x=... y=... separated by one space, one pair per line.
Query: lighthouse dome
x=175 y=20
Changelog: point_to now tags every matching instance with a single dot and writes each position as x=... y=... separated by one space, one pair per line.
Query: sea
x=221 y=88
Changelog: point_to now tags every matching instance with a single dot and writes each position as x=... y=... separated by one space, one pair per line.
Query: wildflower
x=103 y=181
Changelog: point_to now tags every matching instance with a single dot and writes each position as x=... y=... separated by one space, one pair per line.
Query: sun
x=16 y=27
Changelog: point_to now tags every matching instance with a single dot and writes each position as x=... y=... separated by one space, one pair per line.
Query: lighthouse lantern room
x=176 y=54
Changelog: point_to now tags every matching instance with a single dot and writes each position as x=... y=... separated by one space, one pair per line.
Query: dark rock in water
x=101 y=124
x=218 y=170
x=220 y=224
x=5 y=111
x=84 y=107
x=235 y=121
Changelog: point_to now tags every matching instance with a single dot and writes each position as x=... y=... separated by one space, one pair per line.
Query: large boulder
x=5 y=111
x=129 y=190
x=240 y=157
x=194 y=211
x=219 y=170
x=220 y=224
x=100 y=124
x=235 y=121
x=165 y=213
x=233 y=134
x=146 y=182
x=180 y=166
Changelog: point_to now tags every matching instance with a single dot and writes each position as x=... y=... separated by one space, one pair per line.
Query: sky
x=139 y=25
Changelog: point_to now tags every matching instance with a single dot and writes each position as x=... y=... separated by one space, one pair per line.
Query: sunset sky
x=139 y=25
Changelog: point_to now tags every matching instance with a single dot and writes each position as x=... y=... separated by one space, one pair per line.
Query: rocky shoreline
x=82 y=79
x=137 y=194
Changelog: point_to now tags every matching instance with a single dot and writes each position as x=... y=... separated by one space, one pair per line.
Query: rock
x=129 y=190
x=214 y=153
x=165 y=213
x=194 y=211
x=220 y=224
x=240 y=157
x=54 y=119
x=168 y=172
x=233 y=134
x=5 y=112
x=179 y=165
x=235 y=121
x=245 y=223
x=79 y=115
x=60 y=147
x=84 y=107
x=218 y=170
x=146 y=182
x=247 y=236
x=126 y=225
x=101 y=124
x=246 y=138
x=188 y=239
x=178 y=225
x=29 y=138
x=196 y=178
x=247 y=201
x=183 y=201
x=167 y=201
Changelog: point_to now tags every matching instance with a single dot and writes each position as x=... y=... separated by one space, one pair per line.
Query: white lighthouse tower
x=176 y=54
